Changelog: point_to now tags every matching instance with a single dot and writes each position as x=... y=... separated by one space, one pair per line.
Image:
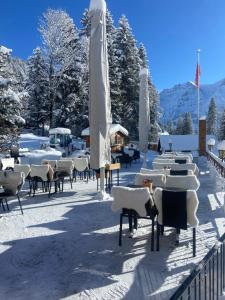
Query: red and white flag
x=197 y=76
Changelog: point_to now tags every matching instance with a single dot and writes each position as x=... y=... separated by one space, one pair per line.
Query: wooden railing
x=216 y=162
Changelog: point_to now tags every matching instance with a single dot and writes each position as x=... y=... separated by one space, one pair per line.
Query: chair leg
x=177 y=237
x=194 y=242
x=130 y=219
x=121 y=229
x=135 y=222
x=71 y=182
x=153 y=236
x=20 y=204
x=158 y=234
x=49 y=189
x=7 y=205
x=3 y=206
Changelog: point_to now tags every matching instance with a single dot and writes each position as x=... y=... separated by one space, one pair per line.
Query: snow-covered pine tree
x=38 y=89
x=179 y=128
x=143 y=56
x=129 y=66
x=169 y=127
x=86 y=23
x=212 y=118
x=154 y=112
x=221 y=131
x=187 y=124
x=58 y=34
x=10 y=105
x=114 y=74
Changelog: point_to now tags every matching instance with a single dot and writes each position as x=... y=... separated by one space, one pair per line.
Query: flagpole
x=198 y=88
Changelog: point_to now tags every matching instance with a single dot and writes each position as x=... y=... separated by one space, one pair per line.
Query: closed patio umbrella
x=99 y=91
x=144 y=113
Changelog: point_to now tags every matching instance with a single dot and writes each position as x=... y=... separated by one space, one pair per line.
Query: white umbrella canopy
x=99 y=91
x=144 y=112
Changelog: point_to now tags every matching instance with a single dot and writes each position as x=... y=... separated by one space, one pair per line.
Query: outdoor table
x=109 y=169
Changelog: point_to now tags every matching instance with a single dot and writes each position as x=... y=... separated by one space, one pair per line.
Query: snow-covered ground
x=66 y=247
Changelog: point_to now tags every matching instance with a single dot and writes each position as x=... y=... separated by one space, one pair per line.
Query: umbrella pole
x=102 y=182
x=145 y=161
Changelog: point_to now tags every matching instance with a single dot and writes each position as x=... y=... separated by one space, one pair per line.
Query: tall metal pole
x=198 y=87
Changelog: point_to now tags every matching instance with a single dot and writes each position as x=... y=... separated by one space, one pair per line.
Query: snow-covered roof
x=181 y=142
x=59 y=131
x=5 y=50
x=97 y=4
x=113 y=129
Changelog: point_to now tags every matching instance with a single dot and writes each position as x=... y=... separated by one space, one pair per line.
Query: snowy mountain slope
x=182 y=98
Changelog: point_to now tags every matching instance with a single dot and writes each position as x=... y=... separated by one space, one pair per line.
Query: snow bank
x=97 y=5
x=181 y=142
x=36 y=156
x=31 y=141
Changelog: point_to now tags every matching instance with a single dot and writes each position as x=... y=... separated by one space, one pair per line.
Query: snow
x=59 y=131
x=181 y=142
x=31 y=141
x=97 y=5
x=211 y=142
x=36 y=156
x=113 y=129
x=66 y=247
x=5 y=50
x=182 y=98
x=221 y=145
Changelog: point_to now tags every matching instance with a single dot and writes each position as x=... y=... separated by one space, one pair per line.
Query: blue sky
x=171 y=30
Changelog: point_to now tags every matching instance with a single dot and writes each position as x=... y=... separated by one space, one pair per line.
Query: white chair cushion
x=192 y=206
x=23 y=168
x=81 y=164
x=188 y=182
x=11 y=181
x=7 y=163
x=130 y=198
x=40 y=171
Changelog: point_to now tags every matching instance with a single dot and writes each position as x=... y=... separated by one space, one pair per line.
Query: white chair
x=43 y=174
x=188 y=182
x=12 y=183
x=177 y=212
x=7 y=163
x=81 y=166
x=190 y=166
x=65 y=169
x=24 y=169
x=164 y=160
x=158 y=180
x=134 y=203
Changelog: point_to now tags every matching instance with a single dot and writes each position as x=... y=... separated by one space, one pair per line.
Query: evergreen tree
x=58 y=34
x=187 y=124
x=129 y=66
x=114 y=75
x=143 y=56
x=169 y=127
x=154 y=112
x=179 y=128
x=212 y=117
x=10 y=104
x=221 y=133
x=37 y=88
